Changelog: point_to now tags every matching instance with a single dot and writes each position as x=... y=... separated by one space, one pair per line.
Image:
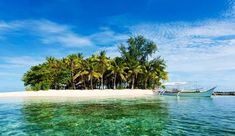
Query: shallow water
x=124 y=117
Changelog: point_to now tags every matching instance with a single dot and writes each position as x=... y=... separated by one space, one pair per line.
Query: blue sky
x=196 y=37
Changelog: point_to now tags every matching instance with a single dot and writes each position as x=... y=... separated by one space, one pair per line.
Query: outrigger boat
x=185 y=93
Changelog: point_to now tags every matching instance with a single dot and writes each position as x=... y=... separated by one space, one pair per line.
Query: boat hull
x=207 y=93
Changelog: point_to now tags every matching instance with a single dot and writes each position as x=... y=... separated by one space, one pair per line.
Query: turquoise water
x=145 y=116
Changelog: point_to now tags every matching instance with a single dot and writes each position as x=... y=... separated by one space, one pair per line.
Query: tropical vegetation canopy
x=135 y=68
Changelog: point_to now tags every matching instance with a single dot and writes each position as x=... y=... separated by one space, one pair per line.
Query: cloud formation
x=20 y=61
x=51 y=33
x=108 y=36
x=194 y=47
x=48 y=32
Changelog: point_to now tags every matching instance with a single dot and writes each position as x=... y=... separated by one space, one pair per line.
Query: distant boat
x=185 y=93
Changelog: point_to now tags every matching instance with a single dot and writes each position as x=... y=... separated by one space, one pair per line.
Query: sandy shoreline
x=108 y=93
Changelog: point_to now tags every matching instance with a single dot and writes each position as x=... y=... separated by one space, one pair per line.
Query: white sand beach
x=107 y=93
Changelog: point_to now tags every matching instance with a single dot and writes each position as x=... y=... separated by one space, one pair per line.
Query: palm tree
x=92 y=69
x=147 y=73
x=138 y=48
x=73 y=63
x=134 y=69
x=53 y=66
x=136 y=54
x=158 y=72
x=82 y=73
x=118 y=68
x=103 y=63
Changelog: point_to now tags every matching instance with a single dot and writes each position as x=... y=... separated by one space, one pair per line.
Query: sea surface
x=118 y=117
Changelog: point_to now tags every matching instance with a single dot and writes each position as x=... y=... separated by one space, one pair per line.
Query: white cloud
x=231 y=10
x=108 y=36
x=50 y=27
x=61 y=34
x=49 y=32
x=20 y=61
x=3 y=25
x=196 y=47
x=68 y=40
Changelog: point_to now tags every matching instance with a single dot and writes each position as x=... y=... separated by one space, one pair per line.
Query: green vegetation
x=133 y=69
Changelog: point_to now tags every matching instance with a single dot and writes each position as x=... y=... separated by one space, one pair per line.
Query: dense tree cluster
x=133 y=69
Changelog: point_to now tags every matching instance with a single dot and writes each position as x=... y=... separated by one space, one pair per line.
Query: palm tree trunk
x=114 y=82
x=154 y=86
x=91 y=82
x=102 y=82
x=145 y=83
x=74 y=87
x=73 y=84
x=133 y=82
x=72 y=74
x=84 y=82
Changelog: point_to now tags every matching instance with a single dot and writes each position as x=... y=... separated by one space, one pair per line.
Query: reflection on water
x=146 y=116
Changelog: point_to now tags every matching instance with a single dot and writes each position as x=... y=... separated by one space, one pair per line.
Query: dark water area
x=121 y=117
